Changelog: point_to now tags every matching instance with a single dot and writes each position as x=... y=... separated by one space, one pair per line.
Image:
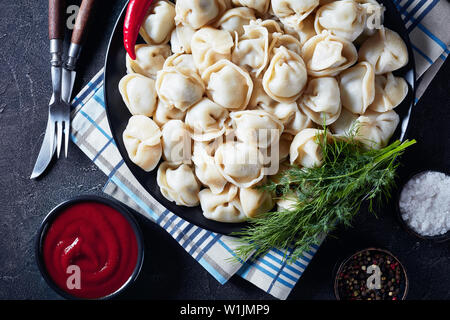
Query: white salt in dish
x=424 y=205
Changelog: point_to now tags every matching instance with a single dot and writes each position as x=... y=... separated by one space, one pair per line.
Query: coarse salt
x=425 y=203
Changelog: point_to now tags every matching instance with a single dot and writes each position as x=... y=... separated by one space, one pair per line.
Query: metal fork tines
x=60 y=120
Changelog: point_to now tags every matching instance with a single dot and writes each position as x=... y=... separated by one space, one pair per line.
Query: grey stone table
x=169 y=272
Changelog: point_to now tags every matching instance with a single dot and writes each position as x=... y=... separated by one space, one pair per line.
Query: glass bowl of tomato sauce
x=89 y=247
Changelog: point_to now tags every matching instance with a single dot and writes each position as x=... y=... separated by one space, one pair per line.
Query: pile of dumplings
x=215 y=69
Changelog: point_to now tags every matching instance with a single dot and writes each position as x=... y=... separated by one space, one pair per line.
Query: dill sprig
x=323 y=196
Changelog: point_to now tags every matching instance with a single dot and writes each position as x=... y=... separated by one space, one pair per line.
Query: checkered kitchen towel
x=427 y=23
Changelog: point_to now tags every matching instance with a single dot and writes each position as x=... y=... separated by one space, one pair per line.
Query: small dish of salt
x=424 y=205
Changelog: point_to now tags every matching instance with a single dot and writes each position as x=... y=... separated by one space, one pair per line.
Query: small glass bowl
x=343 y=264
x=438 y=238
x=46 y=223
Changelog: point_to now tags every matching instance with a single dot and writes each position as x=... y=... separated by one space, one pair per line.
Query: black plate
x=118 y=115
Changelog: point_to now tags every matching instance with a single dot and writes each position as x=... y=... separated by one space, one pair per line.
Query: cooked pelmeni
x=228 y=85
x=293 y=12
x=176 y=142
x=305 y=148
x=240 y=163
x=287 y=41
x=389 y=92
x=210 y=45
x=270 y=24
x=180 y=39
x=286 y=76
x=234 y=19
x=164 y=113
x=138 y=94
x=375 y=128
x=261 y=6
x=182 y=61
x=385 y=50
x=288 y=202
x=345 y=125
x=321 y=100
x=298 y=121
x=293 y=119
x=206 y=120
x=251 y=52
x=255 y=201
x=149 y=59
x=159 y=23
x=178 y=183
x=206 y=169
x=198 y=13
x=374 y=12
x=303 y=31
x=345 y=18
x=222 y=207
x=142 y=140
x=357 y=85
x=326 y=54
x=179 y=88
x=257 y=127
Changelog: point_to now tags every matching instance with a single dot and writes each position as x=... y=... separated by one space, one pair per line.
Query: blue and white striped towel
x=426 y=21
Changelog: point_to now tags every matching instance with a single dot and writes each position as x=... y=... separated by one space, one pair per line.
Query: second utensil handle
x=81 y=22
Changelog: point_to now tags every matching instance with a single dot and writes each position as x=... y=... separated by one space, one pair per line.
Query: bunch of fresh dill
x=323 y=196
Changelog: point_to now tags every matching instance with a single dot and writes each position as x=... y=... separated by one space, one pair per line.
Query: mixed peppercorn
x=371 y=275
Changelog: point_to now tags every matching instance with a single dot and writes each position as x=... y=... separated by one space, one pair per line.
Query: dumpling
x=261 y=6
x=176 y=142
x=255 y=201
x=251 y=51
x=210 y=45
x=321 y=100
x=198 y=13
x=180 y=39
x=292 y=118
x=286 y=76
x=385 y=50
x=228 y=85
x=357 y=86
x=222 y=207
x=240 y=163
x=181 y=61
x=205 y=168
x=288 y=202
x=389 y=92
x=305 y=150
x=303 y=31
x=287 y=41
x=142 y=140
x=164 y=113
x=271 y=25
x=345 y=18
x=375 y=129
x=326 y=54
x=285 y=145
x=206 y=120
x=293 y=12
x=159 y=23
x=345 y=125
x=179 y=88
x=149 y=59
x=256 y=127
x=234 y=19
x=178 y=183
x=374 y=12
x=138 y=94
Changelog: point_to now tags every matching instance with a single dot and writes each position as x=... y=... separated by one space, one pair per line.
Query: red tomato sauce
x=90 y=250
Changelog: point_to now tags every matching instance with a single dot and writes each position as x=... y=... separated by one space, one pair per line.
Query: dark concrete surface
x=169 y=272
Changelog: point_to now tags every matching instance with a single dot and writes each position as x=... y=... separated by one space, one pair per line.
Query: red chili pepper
x=136 y=11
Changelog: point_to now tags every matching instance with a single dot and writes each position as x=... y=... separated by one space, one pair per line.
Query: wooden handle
x=82 y=20
x=56 y=19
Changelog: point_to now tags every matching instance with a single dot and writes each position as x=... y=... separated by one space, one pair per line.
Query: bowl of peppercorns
x=371 y=274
